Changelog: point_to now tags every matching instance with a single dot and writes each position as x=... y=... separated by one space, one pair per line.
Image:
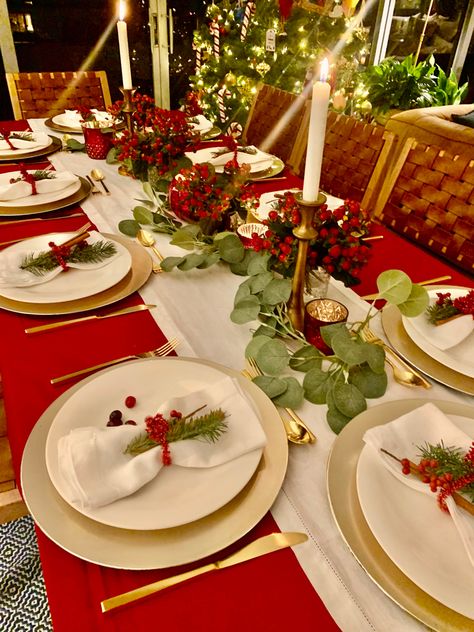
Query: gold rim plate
x=347 y=512
x=277 y=167
x=404 y=345
x=75 y=198
x=163 y=548
x=27 y=155
x=138 y=274
x=72 y=130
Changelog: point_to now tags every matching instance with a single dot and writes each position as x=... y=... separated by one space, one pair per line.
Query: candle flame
x=122 y=10
x=324 y=70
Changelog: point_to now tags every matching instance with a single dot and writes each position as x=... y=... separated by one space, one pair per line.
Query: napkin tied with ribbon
x=11 y=275
x=72 y=118
x=403 y=437
x=258 y=160
x=200 y=123
x=21 y=189
x=38 y=141
x=96 y=472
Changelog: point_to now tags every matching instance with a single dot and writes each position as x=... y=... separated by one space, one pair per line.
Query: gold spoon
x=406 y=378
x=98 y=176
x=148 y=241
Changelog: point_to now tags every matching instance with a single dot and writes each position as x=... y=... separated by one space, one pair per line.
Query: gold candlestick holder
x=128 y=106
x=304 y=232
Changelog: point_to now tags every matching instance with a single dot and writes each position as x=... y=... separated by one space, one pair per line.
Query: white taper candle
x=123 y=47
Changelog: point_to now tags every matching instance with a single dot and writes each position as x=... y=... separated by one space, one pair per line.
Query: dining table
x=316 y=585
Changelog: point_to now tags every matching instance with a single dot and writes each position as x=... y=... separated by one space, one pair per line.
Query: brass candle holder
x=304 y=232
x=128 y=106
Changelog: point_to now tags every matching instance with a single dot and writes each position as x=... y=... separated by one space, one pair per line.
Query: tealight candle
x=123 y=47
x=317 y=130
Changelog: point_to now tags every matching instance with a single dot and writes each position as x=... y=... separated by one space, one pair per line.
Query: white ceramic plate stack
x=178 y=517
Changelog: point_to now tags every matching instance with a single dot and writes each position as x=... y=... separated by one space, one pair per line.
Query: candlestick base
x=128 y=106
x=304 y=232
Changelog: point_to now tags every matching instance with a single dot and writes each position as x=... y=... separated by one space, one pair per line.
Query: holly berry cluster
x=190 y=103
x=158 y=139
x=446 y=307
x=338 y=246
x=85 y=113
x=445 y=470
x=199 y=193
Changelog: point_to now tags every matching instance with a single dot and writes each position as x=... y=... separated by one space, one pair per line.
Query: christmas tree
x=277 y=42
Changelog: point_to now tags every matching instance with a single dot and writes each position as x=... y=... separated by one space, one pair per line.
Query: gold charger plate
x=27 y=155
x=277 y=167
x=347 y=512
x=163 y=548
x=404 y=345
x=75 y=198
x=138 y=274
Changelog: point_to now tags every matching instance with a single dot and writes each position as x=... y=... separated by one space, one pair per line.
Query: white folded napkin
x=403 y=437
x=22 y=189
x=72 y=118
x=257 y=161
x=38 y=141
x=12 y=276
x=96 y=472
x=201 y=124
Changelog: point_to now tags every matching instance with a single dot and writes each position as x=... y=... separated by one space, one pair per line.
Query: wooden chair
x=278 y=123
x=45 y=94
x=354 y=159
x=11 y=503
x=429 y=198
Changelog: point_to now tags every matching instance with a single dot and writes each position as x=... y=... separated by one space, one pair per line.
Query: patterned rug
x=23 y=602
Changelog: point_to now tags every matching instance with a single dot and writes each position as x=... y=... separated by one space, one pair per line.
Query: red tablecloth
x=271 y=593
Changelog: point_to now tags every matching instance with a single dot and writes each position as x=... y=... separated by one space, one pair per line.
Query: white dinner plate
x=12 y=153
x=73 y=284
x=417 y=536
x=460 y=358
x=141 y=550
x=206 y=154
x=40 y=198
x=268 y=200
x=177 y=495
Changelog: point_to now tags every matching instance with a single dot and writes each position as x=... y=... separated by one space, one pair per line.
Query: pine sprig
x=449 y=460
x=208 y=427
x=90 y=253
x=436 y=312
x=22 y=136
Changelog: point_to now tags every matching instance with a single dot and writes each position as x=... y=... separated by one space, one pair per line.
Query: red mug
x=98 y=143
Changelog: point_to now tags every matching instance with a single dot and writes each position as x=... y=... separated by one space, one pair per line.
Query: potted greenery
x=406 y=84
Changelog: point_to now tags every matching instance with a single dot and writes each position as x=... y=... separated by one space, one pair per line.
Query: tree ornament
x=216 y=43
x=223 y=92
x=250 y=9
x=198 y=51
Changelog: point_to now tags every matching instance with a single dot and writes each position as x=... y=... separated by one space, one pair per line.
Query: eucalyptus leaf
x=191 y=261
x=273 y=357
x=184 y=238
x=246 y=310
x=328 y=331
x=370 y=384
x=416 y=303
x=242 y=292
x=143 y=215
x=260 y=281
x=75 y=145
x=347 y=349
x=267 y=329
x=209 y=260
x=271 y=386
x=306 y=358
x=375 y=357
x=394 y=286
x=148 y=190
x=161 y=186
x=258 y=263
x=336 y=420
x=241 y=267
x=293 y=395
x=169 y=263
x=254 y=346
x=277 y=291
x=223 y=235
x=316 y=384
x=129 y=227
x=348 y=399
x=231 y=249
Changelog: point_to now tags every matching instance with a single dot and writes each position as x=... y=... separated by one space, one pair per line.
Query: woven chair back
x=46 y=94
x=429 y=198
x=277 y=123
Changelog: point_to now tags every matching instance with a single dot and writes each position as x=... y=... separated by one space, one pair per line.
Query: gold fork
x=407 y=375
x=294 y=426
x=164 y=350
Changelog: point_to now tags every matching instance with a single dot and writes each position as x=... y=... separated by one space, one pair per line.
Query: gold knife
x=261 y=546
x=63 y=323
